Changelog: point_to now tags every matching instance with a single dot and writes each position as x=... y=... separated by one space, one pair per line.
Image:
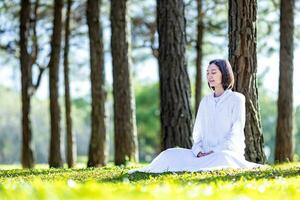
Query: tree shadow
x=12 y=173
x=220 y=175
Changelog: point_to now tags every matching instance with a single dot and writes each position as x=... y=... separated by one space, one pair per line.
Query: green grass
x=275 y=182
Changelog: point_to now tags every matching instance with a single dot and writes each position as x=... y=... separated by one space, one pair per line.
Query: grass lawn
x=274 y=182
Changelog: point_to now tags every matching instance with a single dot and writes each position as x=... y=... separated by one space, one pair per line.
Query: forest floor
x=111 y=182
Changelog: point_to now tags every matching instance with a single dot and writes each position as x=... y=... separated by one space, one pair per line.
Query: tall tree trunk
x=97 y=141
x=176 y=116
x=242 y=56
x=55 y=159
x=26 y=80
x=284 y=132
x=124 y=102
x=199 y=44
x=70 y=139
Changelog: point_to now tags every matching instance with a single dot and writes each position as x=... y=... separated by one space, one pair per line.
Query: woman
x=218 y=131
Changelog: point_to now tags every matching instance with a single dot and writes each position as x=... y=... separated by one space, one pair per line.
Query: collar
x=227 y=93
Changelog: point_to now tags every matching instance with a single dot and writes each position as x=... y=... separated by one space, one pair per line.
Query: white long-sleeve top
x=220 y=123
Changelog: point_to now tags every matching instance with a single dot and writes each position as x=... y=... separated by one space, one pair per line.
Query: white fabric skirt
x=181 y=159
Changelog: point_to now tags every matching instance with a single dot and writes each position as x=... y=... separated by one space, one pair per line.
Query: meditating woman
x=218 y=131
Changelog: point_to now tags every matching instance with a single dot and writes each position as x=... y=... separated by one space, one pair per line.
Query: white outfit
x=219 y=127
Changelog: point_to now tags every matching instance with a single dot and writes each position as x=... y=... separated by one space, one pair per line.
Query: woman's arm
x=235 y=138
x=197 y=130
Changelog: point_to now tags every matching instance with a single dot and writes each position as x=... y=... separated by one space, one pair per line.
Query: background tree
x=28 y=34
x=98 y=134
x=55 y=159
x=242 y=56
x=284 y=131
x=71 y=143
x=176 y=116
x=27 y=154
x=199 y=45
x=124 y=101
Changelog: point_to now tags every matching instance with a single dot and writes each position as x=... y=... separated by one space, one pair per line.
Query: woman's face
x=214 y=76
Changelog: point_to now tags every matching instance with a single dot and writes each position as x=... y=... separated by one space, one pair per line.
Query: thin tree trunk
x=124 y=102
x=176 y=116
x=199 y=44
x=26 y=80
x=242 y=56
x=55 y=159
x=284 y=132
x=97 y=141
x=71 y=143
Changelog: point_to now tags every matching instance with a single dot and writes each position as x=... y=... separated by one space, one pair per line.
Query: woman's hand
x=200 y=154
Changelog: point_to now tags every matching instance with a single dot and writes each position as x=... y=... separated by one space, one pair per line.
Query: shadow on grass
x=30 y=172
x=220 y=175
x=101 y=174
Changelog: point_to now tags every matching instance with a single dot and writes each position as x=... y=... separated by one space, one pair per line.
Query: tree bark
x=176 y=116
x=199 y=44
x=70 y=139
x=55 y=159
x=284 y=131
x=124 y=102
x=242 y=56
x=26 y=80
x=97 y=141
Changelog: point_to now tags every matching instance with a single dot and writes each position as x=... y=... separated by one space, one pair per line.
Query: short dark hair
x=226 y=71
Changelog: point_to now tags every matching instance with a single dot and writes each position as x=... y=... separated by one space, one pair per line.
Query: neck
x=218 y=91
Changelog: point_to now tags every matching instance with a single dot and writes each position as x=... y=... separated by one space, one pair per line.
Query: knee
x=169 y=151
